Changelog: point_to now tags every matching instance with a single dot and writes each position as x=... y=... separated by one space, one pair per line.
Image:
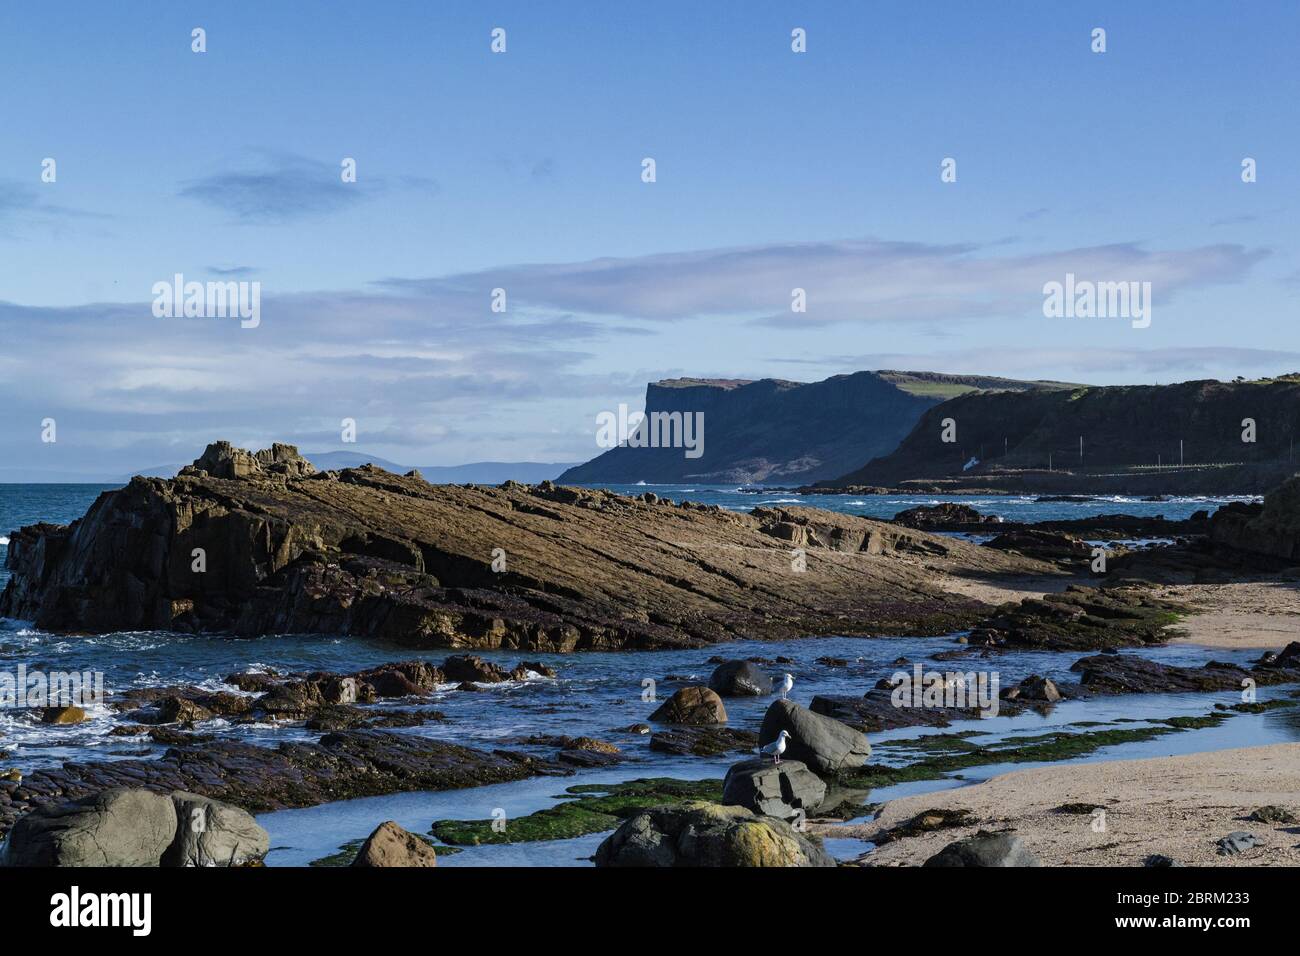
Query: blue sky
x=522 y=171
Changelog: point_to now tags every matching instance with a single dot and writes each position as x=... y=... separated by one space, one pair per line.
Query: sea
x=596 y=694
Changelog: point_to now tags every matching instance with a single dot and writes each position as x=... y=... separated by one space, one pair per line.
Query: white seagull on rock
x=786 y=684
x=776 y=747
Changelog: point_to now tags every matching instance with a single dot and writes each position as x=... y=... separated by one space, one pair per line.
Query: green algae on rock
x=587 y=808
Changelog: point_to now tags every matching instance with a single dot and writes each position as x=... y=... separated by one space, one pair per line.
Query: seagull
x=776 y=747
x=787 y=684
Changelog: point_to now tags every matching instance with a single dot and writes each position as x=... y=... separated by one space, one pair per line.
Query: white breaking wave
x=4 y=540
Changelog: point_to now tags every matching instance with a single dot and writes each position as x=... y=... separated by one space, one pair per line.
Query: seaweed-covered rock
x=708 y=834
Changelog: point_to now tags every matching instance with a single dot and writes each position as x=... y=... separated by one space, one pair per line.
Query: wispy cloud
x=282 y=188
x=862 y=280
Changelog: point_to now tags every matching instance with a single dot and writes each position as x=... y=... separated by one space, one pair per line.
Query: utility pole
x=1180 y=452
x=1080 y=448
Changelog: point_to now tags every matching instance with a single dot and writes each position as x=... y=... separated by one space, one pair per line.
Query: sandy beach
x=1238 y=616
x=1175 y=806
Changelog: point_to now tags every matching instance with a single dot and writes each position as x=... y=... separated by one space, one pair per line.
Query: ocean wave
x=3 y=540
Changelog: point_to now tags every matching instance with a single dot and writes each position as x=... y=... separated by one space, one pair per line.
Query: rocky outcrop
x=390 y=845
x=823 y=743
x=692 y=705
x=134 y=827
x=1271 y=528
x=1128 y=674
x=277 y=549
x=787 y=791
x=1080 y=618
x=341 y=766
x=739 y=679
x=943 y=516
x=985 y=849
x=707 y=834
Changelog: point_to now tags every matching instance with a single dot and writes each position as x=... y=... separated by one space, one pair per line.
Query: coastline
x=1172 y=806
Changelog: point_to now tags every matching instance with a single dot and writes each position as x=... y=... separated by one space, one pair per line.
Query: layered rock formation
x=273 y=547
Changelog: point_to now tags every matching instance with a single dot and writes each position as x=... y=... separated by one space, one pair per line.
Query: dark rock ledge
x=340 y=767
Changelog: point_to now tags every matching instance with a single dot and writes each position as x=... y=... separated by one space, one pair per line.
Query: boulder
x=788 y=790
x=692 y=705
x=823 y=743
x=985 y=849
x=739 y=679
x=181 y=710
x=1034 y=689
x=471 y=667
x=696 y=833
x=212 y=833
x=118 y=827
x=390 y=845
x=62 y=715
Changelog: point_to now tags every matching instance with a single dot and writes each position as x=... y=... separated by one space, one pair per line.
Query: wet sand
x=1175 y=806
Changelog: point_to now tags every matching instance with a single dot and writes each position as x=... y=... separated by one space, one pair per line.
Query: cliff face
x=274 y=547
x=769 y=430
x=1131 y=437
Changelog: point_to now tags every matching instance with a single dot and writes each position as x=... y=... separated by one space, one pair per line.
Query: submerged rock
x=703 y=741
x=390 y=845
x=707 y=834
x=823 y=743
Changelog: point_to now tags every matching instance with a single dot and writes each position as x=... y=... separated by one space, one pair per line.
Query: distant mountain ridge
x=779 y=431
x=1123 y=439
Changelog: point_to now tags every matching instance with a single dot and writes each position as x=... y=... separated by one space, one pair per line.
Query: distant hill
x=778 y=431
x=1136 y=439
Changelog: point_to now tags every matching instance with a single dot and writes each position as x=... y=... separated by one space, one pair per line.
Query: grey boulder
x=985 y=849
x=787 y=791
x=211 y=833
x=739 y=679
x=118 y=827
x=128 y=826
x=823 y=743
